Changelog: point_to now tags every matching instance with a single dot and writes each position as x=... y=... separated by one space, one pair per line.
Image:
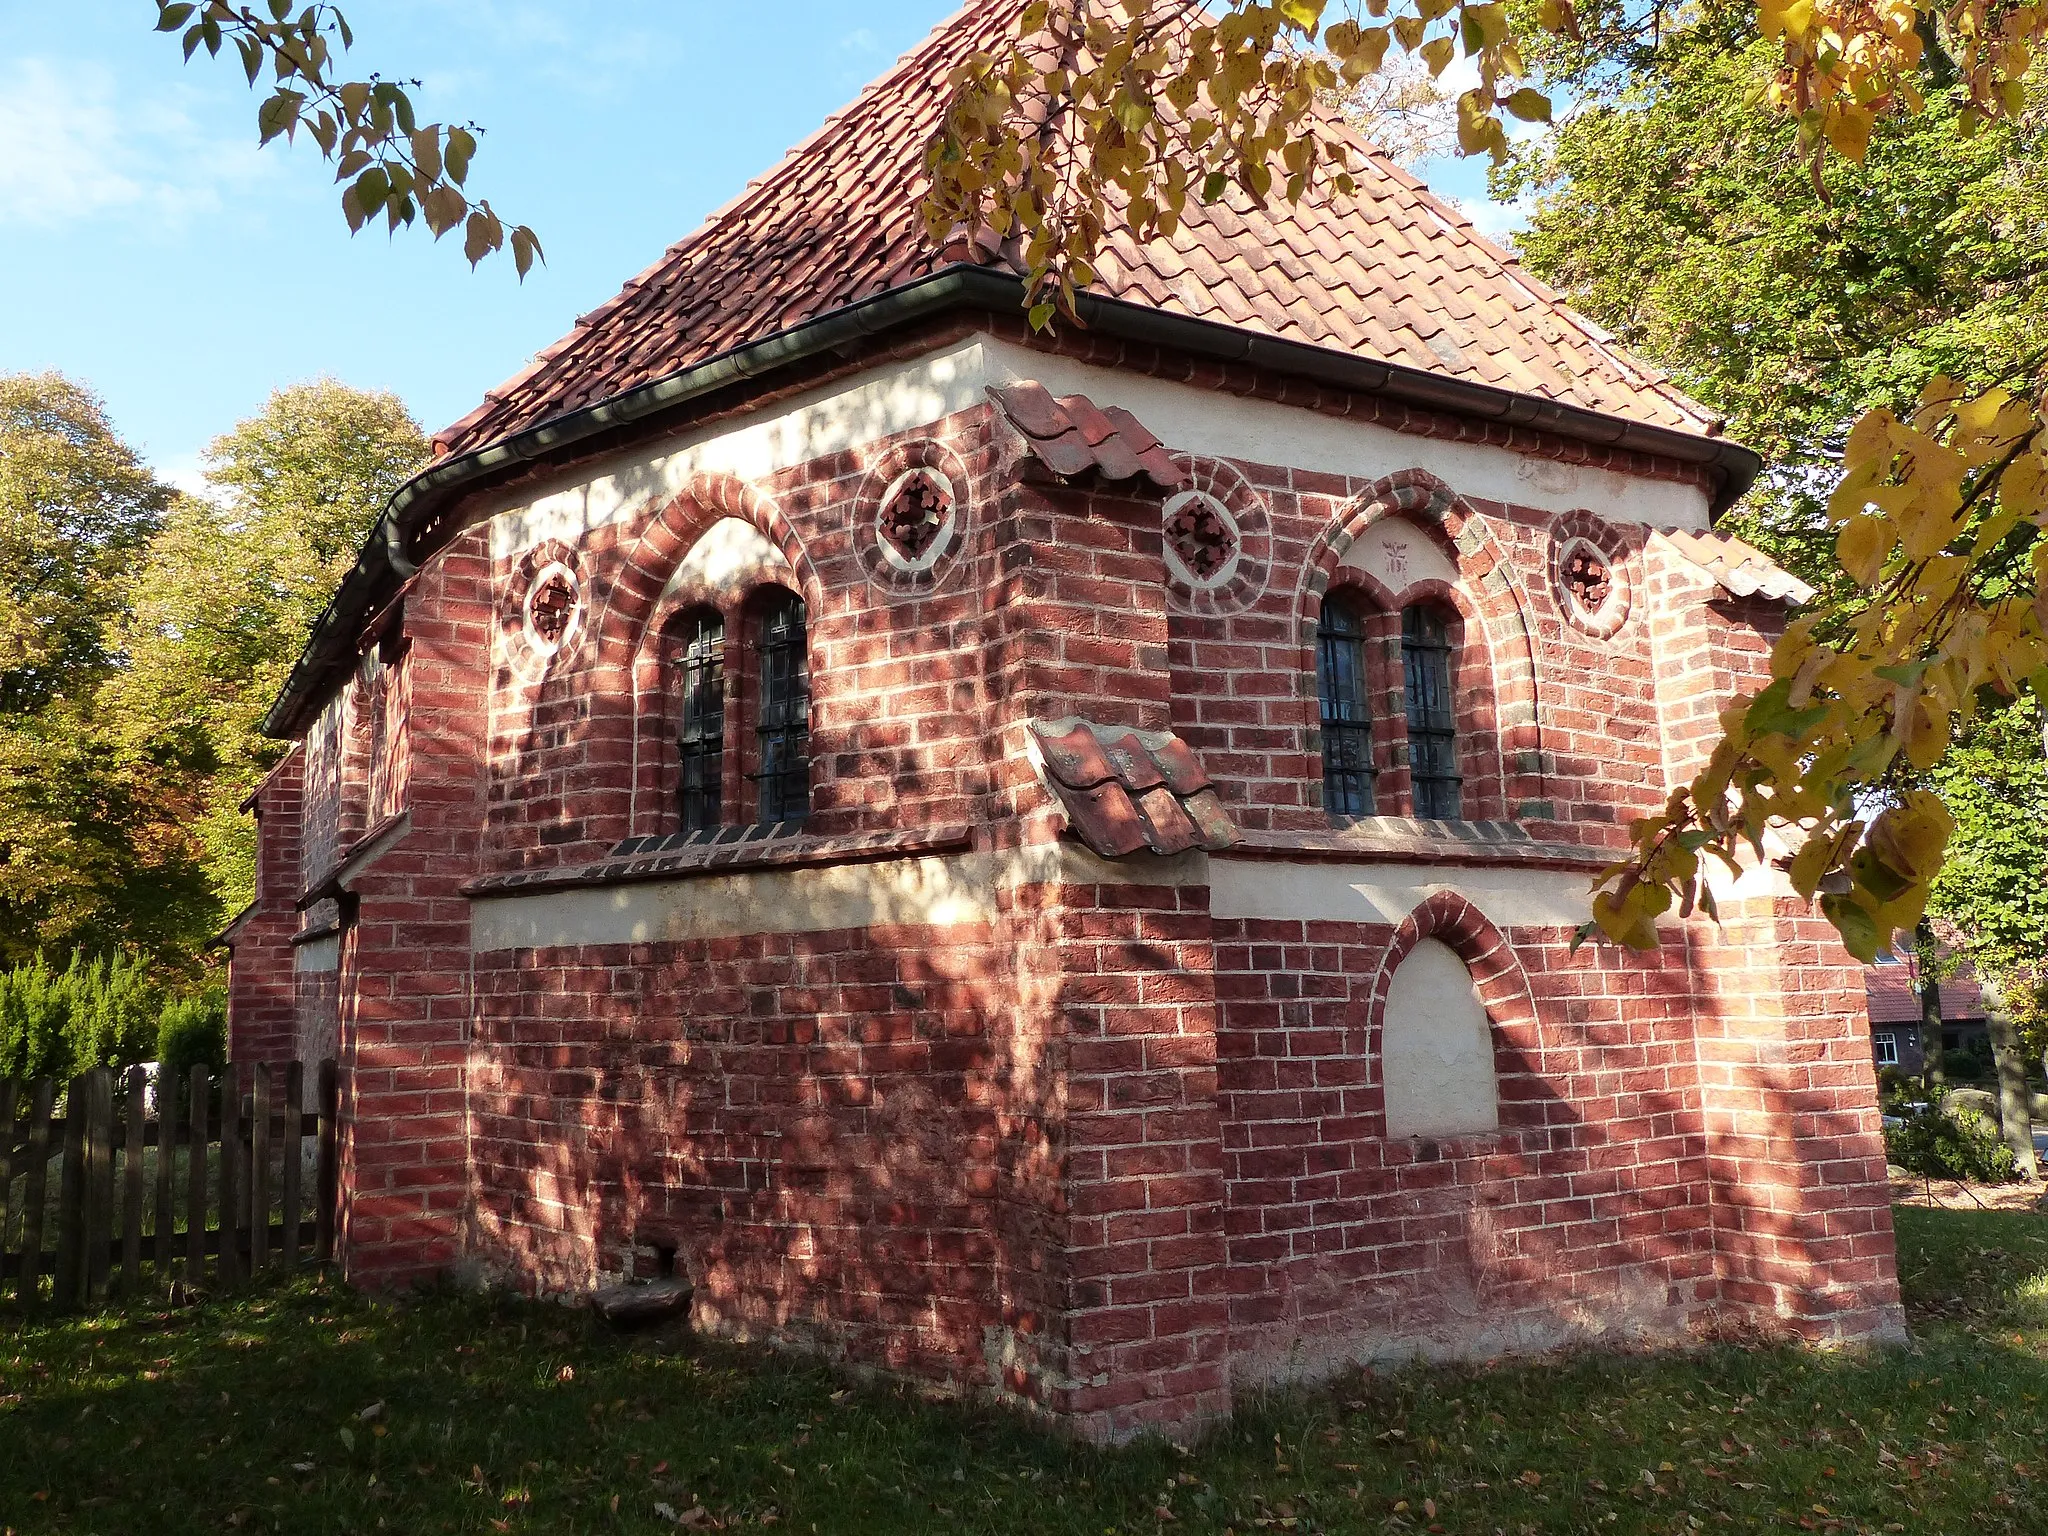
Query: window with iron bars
x=784 y=721
x=1346 y=713
x=1432 y=717
x=700 y=733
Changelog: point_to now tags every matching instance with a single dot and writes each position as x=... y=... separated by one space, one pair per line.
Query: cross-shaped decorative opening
x=1201 y=536
x=1587 y=577
x=550 y=608
x=916 y=515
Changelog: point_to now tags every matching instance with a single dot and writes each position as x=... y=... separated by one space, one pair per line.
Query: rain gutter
x=388 y=559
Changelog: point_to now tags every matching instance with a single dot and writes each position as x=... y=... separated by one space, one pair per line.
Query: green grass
x=308 y=1409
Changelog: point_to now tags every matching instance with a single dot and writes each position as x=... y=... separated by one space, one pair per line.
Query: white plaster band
x=955 y=890
x=943 y=891
x=1324 y=891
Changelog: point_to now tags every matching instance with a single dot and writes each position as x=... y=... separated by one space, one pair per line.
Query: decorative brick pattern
x=1070 y=1138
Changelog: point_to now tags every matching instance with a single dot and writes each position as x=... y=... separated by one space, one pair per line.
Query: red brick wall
x=1104 y=1153
x=847 y=1138
x=1586 y=1215
x=262 y=1008
x=1244 y=681
x=404 y=980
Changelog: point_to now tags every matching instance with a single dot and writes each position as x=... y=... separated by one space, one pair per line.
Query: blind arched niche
x=1436 y=1049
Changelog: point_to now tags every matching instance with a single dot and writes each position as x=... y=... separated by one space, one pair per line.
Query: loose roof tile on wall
x=1740 y=569
x=1124 y=791
x=1073 y=436
x=1378 y=274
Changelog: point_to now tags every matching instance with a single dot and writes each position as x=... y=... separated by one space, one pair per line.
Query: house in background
x=1049 y=861
x=1893 y=989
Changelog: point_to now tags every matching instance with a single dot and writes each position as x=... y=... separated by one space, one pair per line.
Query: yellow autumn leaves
x=1939 y=519
x=1848 y=60
x=1143 y=104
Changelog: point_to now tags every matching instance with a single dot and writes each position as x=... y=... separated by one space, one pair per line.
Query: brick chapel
x=1048 y=862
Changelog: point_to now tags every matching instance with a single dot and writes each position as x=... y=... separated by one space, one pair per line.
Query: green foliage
x=91 y=857
x=93 y=1013
x=1946 y=1141
x=392 y=166
x=76 y=507
x=192 y=1030
x=229 y=590
x=1674 y=208
x=1991 y=898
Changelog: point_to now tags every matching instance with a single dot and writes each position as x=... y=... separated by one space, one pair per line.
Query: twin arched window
x=775 y=700
x=1343 y=688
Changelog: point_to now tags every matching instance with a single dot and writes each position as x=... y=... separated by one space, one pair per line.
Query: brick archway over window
x=1496 y=613
x=628 y=630
x=1503 y=988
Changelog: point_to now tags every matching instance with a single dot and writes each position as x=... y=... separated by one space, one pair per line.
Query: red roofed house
x=1893 y=992
x=1049 y=862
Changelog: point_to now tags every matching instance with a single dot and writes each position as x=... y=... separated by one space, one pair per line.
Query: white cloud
x=186 y=474
x=75 y=146
x=1499 y=222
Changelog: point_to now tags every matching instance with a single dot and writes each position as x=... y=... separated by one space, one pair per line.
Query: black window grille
x=1346 y=712
x=785 y=717
x=1432 y=717
x=700 y=733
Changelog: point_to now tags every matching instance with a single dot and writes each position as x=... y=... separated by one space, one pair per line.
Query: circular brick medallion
x=543 y=608
x=911 y=519
x=1589 y=573
x=1218 y=539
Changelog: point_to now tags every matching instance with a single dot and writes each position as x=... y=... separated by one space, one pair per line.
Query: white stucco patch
x=1386 y=893
x=318 y=955
x=1436 y=1049
x=731 y=556
x=1397 y=554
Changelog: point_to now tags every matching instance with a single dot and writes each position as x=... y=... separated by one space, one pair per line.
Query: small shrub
x=1894 y=1084
x=93 y=1013
x=192 y=1030
x=1949 y=1142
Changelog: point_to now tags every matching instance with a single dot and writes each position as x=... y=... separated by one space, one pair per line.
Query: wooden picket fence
x=120 y=1214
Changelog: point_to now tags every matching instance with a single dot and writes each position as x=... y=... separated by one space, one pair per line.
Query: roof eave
x=386 y=560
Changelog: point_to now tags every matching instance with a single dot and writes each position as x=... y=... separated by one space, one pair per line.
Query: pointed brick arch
x=1526 y=1100
x=626 y=672
x=636 y=584
x=1488 y=599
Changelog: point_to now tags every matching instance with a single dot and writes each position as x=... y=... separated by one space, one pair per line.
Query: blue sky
x=149 y=249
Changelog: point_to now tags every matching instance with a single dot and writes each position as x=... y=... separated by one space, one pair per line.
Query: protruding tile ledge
x=778 y=845
x=1403 y=840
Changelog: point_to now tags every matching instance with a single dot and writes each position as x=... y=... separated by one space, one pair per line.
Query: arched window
x=1346 y=711
x=783 y=722
x=1432 y=717
x=700 y=722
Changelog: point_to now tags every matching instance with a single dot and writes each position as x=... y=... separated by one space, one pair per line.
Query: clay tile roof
x=1073 y=436
x=1390 y=273
x=1891 y=991
x=1741 y=571
x=1126 y=790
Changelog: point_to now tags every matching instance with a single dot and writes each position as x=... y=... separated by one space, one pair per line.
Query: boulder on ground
x=641 y=1306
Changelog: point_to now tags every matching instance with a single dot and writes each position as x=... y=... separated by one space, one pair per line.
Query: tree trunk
x=1932 y=1076
x=2015 y=1104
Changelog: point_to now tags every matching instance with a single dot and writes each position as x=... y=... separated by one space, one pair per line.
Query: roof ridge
x=1391 y=272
